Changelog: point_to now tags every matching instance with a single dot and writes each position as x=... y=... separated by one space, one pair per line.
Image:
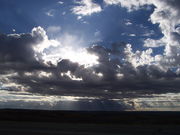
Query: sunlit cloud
x=71 y=76
x=62 y=48
x=158 y=102
x=86 y=7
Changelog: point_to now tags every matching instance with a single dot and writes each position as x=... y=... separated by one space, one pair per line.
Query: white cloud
x=50 y=13
x=129 y=4
x=60 y=2
x=71 y=76
x=128 y=23
x=148 y=33
x=79 y=17
x=67 y=46
x=139 y=58
x=53 y=29
x=153 y=43
x=86 y=7
x=132 y=35
x=166 y=14
x=14 y=30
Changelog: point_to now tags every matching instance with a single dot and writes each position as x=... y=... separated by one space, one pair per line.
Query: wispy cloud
x=86 y=7
x=50 y=13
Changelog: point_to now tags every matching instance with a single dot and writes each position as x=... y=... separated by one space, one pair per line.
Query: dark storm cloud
x=16 y=48
x=173 y=3
x=113 y=74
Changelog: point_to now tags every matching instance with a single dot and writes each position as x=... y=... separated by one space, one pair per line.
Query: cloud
x=27 y=100
x=53 y=29
x=153 y=43
x=97 y=33
x=166 y=14
x=17 y=55
x=13 y=30
x=34 y=63
x=19 y=47
x=132 y=35
x=50 y=13
x=86 y=7
x=130 y=4
x=148 y=33
x=60 y=2
x=128 y=23
x=157 y=102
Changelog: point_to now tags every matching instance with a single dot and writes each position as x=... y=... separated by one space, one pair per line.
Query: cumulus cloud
x=166 y=14
x=139 y=58
x=32 y=62
x=19 y=47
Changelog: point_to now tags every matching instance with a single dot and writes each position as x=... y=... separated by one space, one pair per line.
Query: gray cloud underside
x=119 y=74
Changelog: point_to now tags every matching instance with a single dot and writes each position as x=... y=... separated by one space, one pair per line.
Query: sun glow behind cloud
x=53 y=50
x=81 y=56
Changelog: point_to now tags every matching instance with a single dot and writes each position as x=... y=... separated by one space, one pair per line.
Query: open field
x=36 y=122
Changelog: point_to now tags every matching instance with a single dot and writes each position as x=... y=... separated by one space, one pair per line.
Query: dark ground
x=38 y=122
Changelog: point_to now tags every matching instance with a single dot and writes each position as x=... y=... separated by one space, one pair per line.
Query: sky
x=110 y=55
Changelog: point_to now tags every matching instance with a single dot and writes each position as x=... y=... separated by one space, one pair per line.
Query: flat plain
x=43 y=122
